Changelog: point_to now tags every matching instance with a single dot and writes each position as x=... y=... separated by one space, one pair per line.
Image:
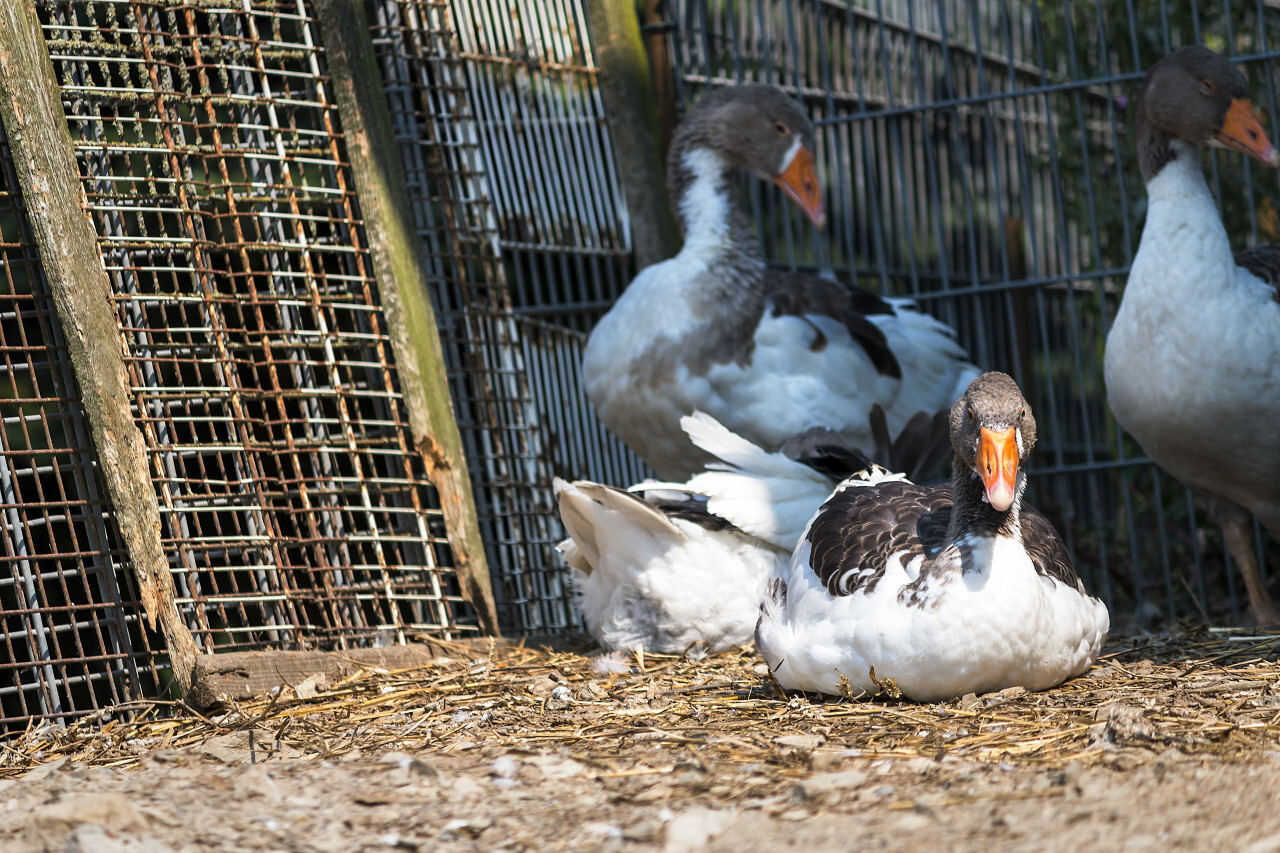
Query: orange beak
x=1241 y=131
x=998 y=466
x=800 y=183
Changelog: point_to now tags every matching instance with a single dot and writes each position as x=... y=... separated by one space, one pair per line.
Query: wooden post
x=631 y=106
x=664 y=81
x=44 y=158
x=388 y=222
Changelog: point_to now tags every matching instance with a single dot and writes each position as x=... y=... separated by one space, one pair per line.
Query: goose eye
x=1022 y=413
x=1206 y=87
x=970 y=409
x=781 y=128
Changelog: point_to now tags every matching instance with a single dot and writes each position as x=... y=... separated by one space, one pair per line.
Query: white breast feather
x=980 y=632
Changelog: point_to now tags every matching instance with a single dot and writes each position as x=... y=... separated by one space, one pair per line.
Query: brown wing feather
x=798 y=294
x=1264 y=262
x=1048 y=553
x=859 y=528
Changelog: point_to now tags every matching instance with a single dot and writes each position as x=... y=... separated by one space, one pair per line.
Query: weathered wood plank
x=244 y=675
x=632 y=110
x=402 y=281
x=36 y=128
x=218 y=679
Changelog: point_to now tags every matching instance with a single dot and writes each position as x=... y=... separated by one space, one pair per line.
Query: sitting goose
x=768 y=353
x=1194 y=352
x=944 y=590
x=670 y=567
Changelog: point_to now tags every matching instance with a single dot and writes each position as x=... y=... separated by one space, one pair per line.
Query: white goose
x=768 y=353
x=944 y=590
x=1193 y=357
x=674 y=567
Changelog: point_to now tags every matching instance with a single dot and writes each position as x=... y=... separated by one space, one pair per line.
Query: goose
x=1193 y=356
x=768 y=353
x=682 y=567
x=940 y=590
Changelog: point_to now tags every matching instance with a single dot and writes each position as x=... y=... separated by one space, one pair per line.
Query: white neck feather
x=705 y=206
x=1178 y=196
x=1183 y=237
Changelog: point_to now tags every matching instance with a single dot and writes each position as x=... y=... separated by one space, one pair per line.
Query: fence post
x=631 y=107
x=43 y=156
x=393 y=244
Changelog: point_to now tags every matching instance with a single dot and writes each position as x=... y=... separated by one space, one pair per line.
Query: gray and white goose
x=943 y=589
x=1193 y=357
x=768 y=353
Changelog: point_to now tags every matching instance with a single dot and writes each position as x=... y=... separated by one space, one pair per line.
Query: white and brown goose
x=1193 y=357
x=768 y=353
x=944 y=590
x=675 y=567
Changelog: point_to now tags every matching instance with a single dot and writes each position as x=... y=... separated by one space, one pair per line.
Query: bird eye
x=781 y=128
x=1206 y=87
x=1022 y=413
x=970 y=412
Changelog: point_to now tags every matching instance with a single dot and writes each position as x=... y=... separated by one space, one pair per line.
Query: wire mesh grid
x=71 y=640
x=978 y=158
x=509 y=166
x=294 y=508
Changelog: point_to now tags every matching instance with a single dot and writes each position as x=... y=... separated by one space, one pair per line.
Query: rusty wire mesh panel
x=71 y=641
x=295 y=511
x=523 y=225
x=978 y=157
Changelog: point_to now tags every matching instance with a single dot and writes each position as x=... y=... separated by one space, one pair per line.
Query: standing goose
x=670 y=567
x=945 y=590
x=1193 y=356
x=768 y=353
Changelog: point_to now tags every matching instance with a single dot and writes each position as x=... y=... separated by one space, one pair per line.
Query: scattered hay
x=1203 y=692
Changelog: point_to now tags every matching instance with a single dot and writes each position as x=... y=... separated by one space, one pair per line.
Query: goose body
x=650 y=580
x=1194 y=353
x=943 y=590
x=669 y=567
x=768 y=353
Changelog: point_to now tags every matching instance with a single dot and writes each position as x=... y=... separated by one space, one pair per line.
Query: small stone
x=254 y=782
x=411 y=764
x=505 y=767
x=464 y=828
x=96 y=838
x=805 y=743
x=44 y=771
x=691 y=830
x=824 y=760
x=828 y=784
x=56 y=820
x=562 y=694
x=311 y=686
x=591 y=692
x=645 y=830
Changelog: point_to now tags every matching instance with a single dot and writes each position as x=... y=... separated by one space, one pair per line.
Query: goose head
x=992 y=433
x=758 y=128
x=1199 y=97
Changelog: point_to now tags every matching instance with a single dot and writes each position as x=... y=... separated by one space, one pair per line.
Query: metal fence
x=295 y=509
x=977 y=158
x=510 y=168
x=71 y=638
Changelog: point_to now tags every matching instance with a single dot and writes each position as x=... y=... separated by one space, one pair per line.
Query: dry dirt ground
x=1169 y=743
